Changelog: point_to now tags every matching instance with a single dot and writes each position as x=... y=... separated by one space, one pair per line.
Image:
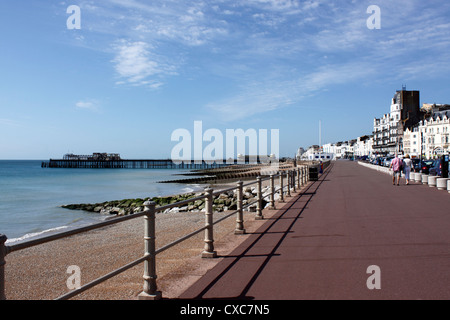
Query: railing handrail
x=6 y=249
x=63 y=234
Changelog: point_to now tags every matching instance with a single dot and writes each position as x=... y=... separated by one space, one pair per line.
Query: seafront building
x=407 y=129
x=388 y=130
x=364 y=146
x=430 y=137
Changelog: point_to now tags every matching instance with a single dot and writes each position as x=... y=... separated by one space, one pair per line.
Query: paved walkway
x=320 y=244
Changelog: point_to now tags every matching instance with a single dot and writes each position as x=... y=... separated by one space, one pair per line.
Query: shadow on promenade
x=233 y=277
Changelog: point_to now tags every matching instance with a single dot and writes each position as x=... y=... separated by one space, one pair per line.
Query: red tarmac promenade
x=321 y=242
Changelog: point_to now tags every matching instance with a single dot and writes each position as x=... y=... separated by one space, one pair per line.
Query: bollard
x=432 y=181
x=209 y=252
x=418 y=177
x=441 y=183
x=259 y=215
x=150 y=288
x=272 y=193
x=240 y=217
x=3 y=239
x=281 y=188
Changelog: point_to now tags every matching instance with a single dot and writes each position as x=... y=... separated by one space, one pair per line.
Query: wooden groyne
x=231 y=172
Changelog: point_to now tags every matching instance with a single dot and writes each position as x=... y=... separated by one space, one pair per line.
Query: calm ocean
x=31 y=196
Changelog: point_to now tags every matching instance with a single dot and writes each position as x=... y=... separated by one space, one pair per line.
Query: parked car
x=426 y=166
x=435 y=168
x=387 y=161
x=416 y=164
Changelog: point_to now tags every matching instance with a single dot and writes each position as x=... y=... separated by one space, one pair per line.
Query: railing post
x=298 y=179
x=305 y=178
x=3 y=239
x=288 y=178
x=281 y=188
x=240 y=214
x=272 y=193
x=150 y=288
x=209 y=252
x=259 y=215
x=293 y=179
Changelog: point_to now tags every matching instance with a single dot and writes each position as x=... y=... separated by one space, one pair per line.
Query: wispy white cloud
x=151 y=42
x=91 y=105
x=409 y=46
x=136 y=64
x=278 y=92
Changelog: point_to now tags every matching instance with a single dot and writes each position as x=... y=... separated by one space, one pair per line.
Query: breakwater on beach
x=222 y=202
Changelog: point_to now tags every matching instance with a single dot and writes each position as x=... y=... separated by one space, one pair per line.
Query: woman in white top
x=407 y=166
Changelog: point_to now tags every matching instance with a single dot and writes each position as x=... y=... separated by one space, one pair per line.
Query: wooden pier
x=129 y=164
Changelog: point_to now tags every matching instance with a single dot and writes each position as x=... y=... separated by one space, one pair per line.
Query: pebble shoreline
x=40 y=273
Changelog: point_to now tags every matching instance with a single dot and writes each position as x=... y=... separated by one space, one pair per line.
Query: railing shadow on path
x=244 y=251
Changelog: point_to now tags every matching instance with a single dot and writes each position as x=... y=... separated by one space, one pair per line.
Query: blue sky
x=138 y=70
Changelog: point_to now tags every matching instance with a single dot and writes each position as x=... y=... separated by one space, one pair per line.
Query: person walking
x=396 y=166
x=407 y=167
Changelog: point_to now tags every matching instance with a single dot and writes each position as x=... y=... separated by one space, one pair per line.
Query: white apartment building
x=388 y=130
x=406 y=129
x=363 y=146
x=329 y=148
x=431 y=137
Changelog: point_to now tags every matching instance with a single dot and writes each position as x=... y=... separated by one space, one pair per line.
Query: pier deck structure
x=130 y=164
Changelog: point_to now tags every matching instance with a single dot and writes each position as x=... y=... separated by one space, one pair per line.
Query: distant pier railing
x=131 y=164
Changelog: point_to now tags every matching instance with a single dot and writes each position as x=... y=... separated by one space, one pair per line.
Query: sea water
x=31 y=197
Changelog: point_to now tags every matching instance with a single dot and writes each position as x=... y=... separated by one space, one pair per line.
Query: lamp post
x=421 y=149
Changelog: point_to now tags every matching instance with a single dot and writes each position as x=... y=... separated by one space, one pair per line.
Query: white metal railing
x=296 y=178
